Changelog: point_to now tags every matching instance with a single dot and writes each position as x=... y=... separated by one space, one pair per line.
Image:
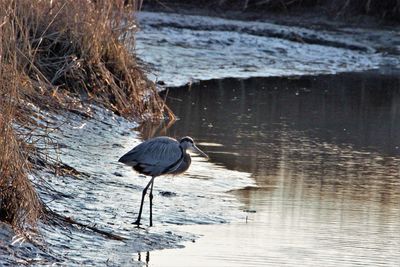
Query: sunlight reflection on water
x=324 y=154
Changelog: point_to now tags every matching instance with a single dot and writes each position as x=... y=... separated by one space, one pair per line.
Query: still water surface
x=324 y=154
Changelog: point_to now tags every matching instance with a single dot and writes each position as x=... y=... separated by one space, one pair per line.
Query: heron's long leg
x=151 y=203
x=137 y=222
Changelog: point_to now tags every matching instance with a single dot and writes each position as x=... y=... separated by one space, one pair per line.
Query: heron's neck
x=184 y=147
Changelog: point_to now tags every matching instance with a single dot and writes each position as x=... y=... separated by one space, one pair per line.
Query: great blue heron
x=158 y=156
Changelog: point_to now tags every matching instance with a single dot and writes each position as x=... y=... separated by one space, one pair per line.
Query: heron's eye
x=187 y=139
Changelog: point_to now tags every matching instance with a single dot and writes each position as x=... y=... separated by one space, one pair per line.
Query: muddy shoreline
x=312 y=18
x=230 y=48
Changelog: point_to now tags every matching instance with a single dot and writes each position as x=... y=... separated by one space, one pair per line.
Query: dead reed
x=19 y=204
x=56 y=55
x=81 y=48
x=387 y=9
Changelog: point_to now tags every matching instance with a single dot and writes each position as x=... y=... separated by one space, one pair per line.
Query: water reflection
x=324 y=152
x=146 y=260
x=338 y=132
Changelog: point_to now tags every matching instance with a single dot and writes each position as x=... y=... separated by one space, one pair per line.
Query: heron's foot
x=137 y=222
x=139 y=226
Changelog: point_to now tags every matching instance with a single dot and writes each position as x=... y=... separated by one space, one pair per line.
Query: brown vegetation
x=80 y=47
x=53 y=55
x=387 y=9
x=19 y=203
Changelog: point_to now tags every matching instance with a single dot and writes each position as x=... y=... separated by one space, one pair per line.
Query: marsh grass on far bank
x=54 y=56
x=345 y=9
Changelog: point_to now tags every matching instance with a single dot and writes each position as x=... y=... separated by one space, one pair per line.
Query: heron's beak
x=198 y=150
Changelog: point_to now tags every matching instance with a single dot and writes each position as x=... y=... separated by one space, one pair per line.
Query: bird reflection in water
x=147 y=259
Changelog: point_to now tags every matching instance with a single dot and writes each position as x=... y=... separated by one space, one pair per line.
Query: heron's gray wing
x=155 y=156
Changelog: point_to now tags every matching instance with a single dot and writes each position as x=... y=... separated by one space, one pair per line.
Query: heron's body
x=159 y=156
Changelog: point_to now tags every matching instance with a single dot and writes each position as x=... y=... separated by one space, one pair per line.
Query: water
x=324 y=154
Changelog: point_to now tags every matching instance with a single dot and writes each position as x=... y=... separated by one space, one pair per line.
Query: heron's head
x=188 y=143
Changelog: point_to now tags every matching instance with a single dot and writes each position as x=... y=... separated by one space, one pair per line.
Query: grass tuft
x=20 y=205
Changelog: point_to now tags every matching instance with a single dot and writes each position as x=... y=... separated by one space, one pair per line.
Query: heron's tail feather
x=127 y=159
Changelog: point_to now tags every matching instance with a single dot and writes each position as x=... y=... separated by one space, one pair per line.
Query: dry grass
x=386 y=9
x=80 y=47
x=54 y=54
x=19 y=204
